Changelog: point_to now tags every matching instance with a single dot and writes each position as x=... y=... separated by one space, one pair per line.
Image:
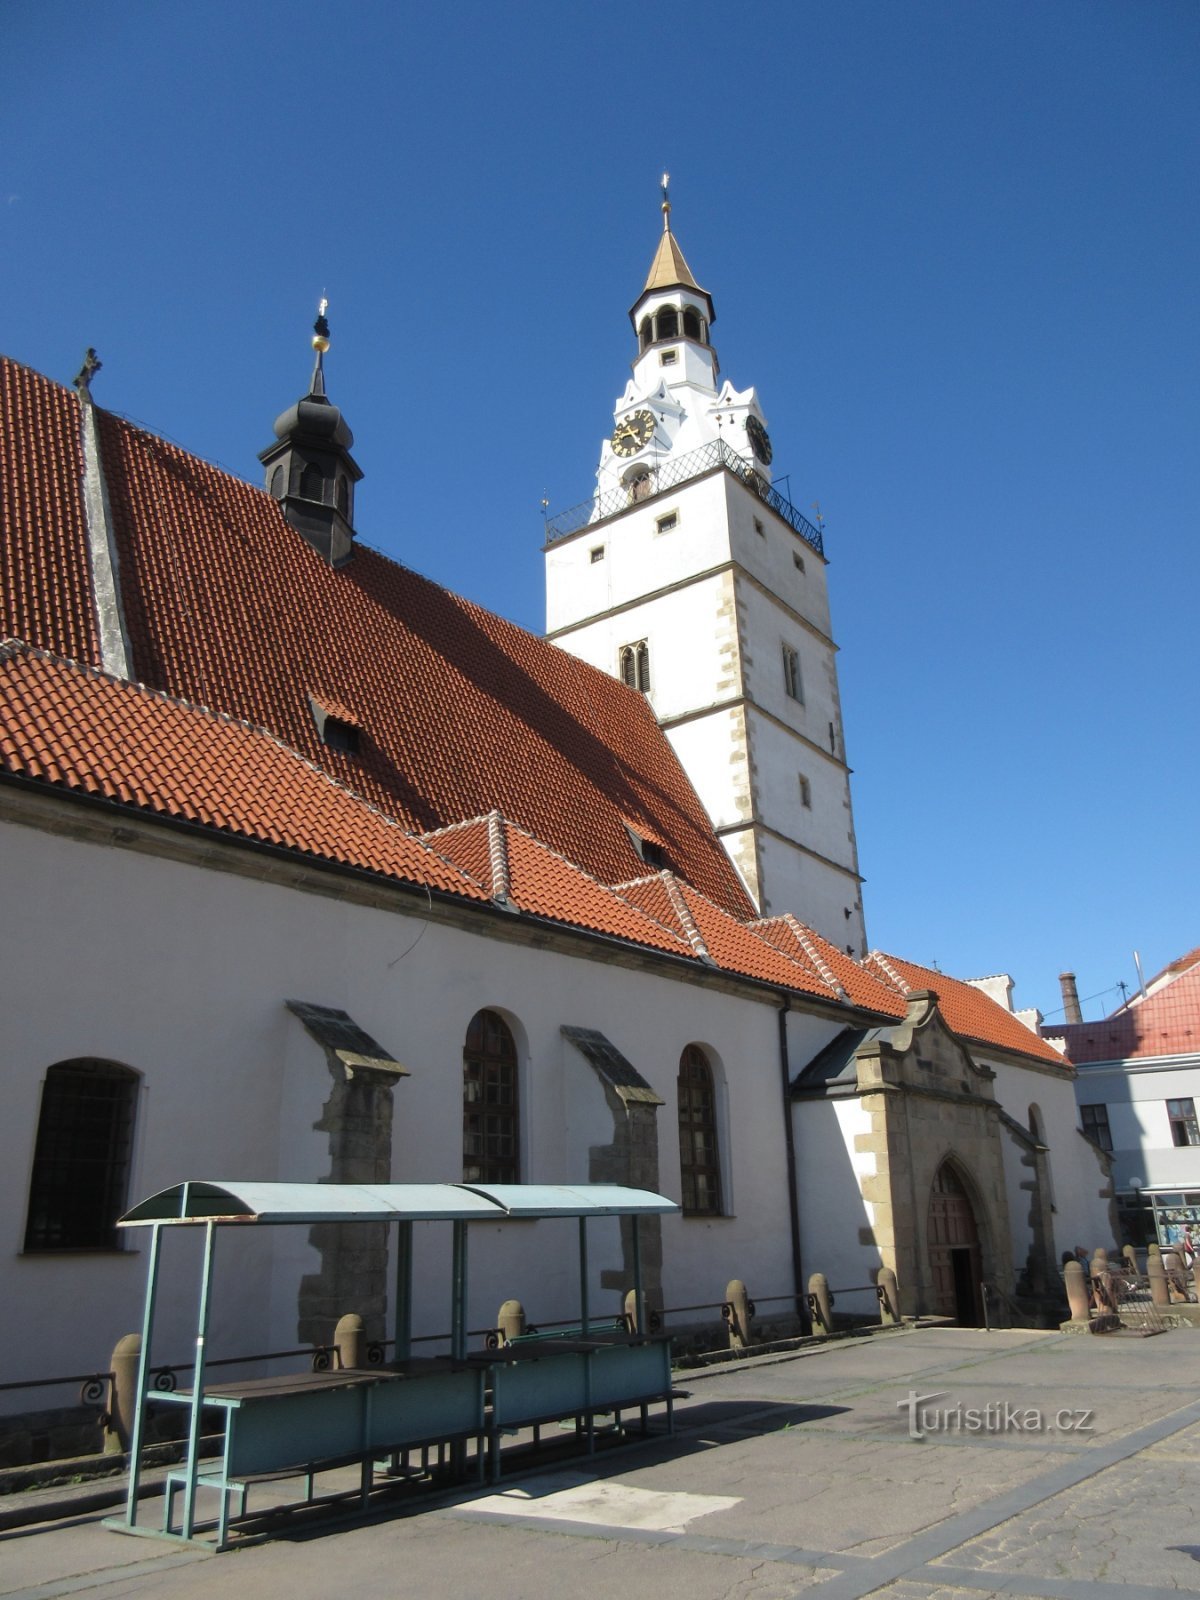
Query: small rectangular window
x=597 y=554
x=759 y=529
x=1184 y=1127
x=791 y=674
x=668 y=358
x=805 y=792
x=798 y=559
x=1095 y=1125
x=667 y=523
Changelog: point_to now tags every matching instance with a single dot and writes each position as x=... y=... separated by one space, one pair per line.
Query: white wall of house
x=1135 y=1094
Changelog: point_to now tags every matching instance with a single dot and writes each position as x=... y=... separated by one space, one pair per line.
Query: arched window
x=81 y=1158
x=668 y=323
x=312 y=484
x=277 y=483
x=634 y=666
x=491 y=1142
x=645 y=334
x=343 y=496
x=691 y=324
x=699 y=1163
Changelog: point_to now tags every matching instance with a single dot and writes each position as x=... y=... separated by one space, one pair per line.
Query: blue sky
x=956 y=247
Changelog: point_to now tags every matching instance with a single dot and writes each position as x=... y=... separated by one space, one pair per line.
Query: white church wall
x=833 y=1212
x=182 y=974
x=1080 y=1211
x=777 y=557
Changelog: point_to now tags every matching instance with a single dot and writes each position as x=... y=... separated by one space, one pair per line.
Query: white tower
x=693 y=579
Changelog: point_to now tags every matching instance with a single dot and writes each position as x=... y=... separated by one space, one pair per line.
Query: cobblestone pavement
x=1030 y=1464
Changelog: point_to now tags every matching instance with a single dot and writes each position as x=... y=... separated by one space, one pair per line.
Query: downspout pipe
x=785 y=1077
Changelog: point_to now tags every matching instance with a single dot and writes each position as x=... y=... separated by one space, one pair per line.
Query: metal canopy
x=211 y=1200
x=574 y=1200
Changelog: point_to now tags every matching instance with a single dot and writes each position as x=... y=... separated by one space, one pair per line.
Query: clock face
x=760 y=440
x=632 y=433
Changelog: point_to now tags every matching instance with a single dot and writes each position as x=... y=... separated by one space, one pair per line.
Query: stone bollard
x=350 y=1342
x=737 y=1311
x=1131 y=1260
x=1196 y=1275
x=510 y=1321
x=1077 y=1291
x=1160 y=1294
x=122 y=1393
x=888 y=1291
x=820 y=1304
x=1172 y=1263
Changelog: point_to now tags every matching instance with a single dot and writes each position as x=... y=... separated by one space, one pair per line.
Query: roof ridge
x=85 y=669
x=880 y=960
x=684 y=912
x=803 y=934
x=498 y=858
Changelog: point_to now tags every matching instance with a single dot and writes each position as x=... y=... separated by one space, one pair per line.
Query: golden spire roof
x=669 y=270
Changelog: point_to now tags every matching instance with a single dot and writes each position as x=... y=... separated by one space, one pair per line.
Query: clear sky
x=956 y=247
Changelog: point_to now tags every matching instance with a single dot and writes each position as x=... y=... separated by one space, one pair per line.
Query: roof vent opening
x=337 y=728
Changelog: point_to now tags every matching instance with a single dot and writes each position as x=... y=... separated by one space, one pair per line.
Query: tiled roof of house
x=966 y=1010
x=226 y=606
x=1166 y=1023
x=76 y=728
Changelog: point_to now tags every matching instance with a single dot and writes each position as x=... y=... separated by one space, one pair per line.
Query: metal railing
x=659 y=476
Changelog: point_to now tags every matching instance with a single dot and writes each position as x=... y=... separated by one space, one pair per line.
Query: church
x=317 y=871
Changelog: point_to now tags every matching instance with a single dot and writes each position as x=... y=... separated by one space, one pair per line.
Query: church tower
x=692 y=578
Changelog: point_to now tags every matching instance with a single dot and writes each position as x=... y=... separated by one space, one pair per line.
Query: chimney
x=1070 y=996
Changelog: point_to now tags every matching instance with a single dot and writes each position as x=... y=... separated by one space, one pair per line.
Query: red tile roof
x=518 y=868
x=1166 y=1023
x=966 y=1010
x=729 y=944
x=227 y=606
x=860 y=987
x=79 y=729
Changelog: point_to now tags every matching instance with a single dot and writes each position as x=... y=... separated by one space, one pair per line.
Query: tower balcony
x=658 y=475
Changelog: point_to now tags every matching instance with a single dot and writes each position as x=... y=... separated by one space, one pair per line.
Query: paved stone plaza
x=788 y=1475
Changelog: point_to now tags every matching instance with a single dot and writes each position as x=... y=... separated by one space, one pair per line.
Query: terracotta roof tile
x=226 y=606
x=861 y=988
x=967 y=1011
x=1166 y=1023
x=544 y=884
x=729 y=944
x=77 y=728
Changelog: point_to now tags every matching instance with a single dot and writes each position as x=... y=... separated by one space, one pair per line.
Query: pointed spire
x=669 y=270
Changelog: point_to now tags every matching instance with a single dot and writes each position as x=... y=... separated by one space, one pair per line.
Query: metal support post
x=458 y=1309
x=193 y=1455
x=139 y=1414
x=404 y=1271
x=584 y=1318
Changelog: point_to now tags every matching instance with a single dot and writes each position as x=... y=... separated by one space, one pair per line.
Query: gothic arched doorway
x=954 y=1250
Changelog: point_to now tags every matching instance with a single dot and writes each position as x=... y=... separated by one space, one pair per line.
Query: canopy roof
x=209 y=1200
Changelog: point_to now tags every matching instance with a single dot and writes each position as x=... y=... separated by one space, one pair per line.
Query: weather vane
x=666 y=201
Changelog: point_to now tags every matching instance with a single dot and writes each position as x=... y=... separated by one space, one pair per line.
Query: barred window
x=491 y=1144
x=699 y=1162
x=82 y=1155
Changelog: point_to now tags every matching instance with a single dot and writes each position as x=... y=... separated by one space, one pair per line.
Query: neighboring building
x=316 y=870
x=692 y=578
x=1138 y=1087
